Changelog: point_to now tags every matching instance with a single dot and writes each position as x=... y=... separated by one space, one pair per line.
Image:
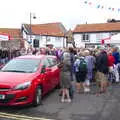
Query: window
x=52 y=61
x=36 y=43
x=45 y=63
x=22 y=65
x=85 y=38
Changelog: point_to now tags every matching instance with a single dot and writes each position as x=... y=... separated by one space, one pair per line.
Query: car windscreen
x=22 y=66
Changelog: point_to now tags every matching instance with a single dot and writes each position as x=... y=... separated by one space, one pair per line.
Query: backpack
x=82 y=66
x=119 y=58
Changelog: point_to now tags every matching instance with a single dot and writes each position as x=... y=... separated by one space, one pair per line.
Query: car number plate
x=2 y=97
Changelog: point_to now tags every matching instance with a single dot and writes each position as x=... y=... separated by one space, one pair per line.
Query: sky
x=13 y=13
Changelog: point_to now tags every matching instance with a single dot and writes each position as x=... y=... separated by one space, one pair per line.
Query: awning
x=115 y=38
x=106 y=40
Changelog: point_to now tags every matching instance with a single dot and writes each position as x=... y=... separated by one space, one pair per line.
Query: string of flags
x=99 y=6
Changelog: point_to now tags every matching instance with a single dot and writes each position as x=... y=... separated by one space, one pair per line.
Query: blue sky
x=69 y=12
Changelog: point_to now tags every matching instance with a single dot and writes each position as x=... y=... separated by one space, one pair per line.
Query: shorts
x=80 y=77
x=101 y=77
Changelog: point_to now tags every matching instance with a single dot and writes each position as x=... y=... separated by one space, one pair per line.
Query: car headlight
x=22 y=86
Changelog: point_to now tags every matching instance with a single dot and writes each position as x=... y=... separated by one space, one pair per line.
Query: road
x=83 y=107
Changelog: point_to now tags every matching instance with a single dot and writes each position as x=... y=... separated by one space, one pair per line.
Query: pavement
x=83 y=107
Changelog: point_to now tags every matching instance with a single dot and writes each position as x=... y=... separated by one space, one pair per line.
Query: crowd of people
x=7 y=54
x=101 y=66
x=82 y=65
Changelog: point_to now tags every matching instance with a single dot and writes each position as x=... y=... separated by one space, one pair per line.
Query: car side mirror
x=43 y=69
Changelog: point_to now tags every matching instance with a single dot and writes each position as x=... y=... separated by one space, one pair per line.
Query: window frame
x=85 y=37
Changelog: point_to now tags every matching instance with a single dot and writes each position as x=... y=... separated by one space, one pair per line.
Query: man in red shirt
x=111 y=61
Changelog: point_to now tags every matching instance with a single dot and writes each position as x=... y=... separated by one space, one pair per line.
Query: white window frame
x=85 y=37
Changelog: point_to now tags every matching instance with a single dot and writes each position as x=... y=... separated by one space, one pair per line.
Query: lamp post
x=34 y=17
x=64 y=40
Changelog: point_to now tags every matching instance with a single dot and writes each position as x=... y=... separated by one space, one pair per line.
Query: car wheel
x=38 y=96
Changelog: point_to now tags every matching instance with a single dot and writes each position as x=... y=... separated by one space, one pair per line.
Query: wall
x=77 y=40
x=57 y=42
x=94 y=38
x=11 y=44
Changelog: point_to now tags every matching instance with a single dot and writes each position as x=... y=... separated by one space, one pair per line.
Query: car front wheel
x=38 y=96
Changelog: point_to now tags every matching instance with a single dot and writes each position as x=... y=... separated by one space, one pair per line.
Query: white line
x=9 y=117
x=23 y=117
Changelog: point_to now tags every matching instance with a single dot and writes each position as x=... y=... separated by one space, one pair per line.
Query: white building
x=42 y=35
x=92 y=34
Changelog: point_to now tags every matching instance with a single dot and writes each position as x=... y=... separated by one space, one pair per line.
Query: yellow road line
x=9 y=117
x=21 y=117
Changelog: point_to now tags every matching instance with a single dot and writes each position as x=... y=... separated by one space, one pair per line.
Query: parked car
x=26 y=79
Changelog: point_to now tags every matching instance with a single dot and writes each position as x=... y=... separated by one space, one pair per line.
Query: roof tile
x=10 y=32
x=52 y=29
x=101 y=27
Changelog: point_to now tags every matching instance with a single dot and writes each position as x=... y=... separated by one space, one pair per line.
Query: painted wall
x=57 y=42
x=93 y=37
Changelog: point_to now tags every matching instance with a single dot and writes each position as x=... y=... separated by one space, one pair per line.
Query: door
x=55 y=72
x=46 y=75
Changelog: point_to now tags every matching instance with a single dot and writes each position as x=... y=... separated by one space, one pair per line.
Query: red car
x=26 y=79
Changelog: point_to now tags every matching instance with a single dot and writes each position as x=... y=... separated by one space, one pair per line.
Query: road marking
x=21 y=117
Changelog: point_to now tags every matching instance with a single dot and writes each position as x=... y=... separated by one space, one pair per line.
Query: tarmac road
x=83 y=107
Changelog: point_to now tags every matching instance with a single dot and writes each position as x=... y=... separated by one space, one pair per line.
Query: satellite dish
x=108 y=20
x=111 y=20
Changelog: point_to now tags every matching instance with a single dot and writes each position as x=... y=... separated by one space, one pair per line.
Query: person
x=102 y=69
x=111 y=61
x=116 y=56
x=72 y=59
x=76 y=71
x=65 y=76
x=34 y=51
x=90 y=60
x=79 y=74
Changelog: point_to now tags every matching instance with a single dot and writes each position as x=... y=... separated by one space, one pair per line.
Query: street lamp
x=34 y=17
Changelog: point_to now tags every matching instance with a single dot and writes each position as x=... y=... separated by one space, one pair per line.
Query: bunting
x=100 y=6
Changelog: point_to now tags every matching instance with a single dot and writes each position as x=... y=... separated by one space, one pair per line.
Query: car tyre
x=38 y=96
